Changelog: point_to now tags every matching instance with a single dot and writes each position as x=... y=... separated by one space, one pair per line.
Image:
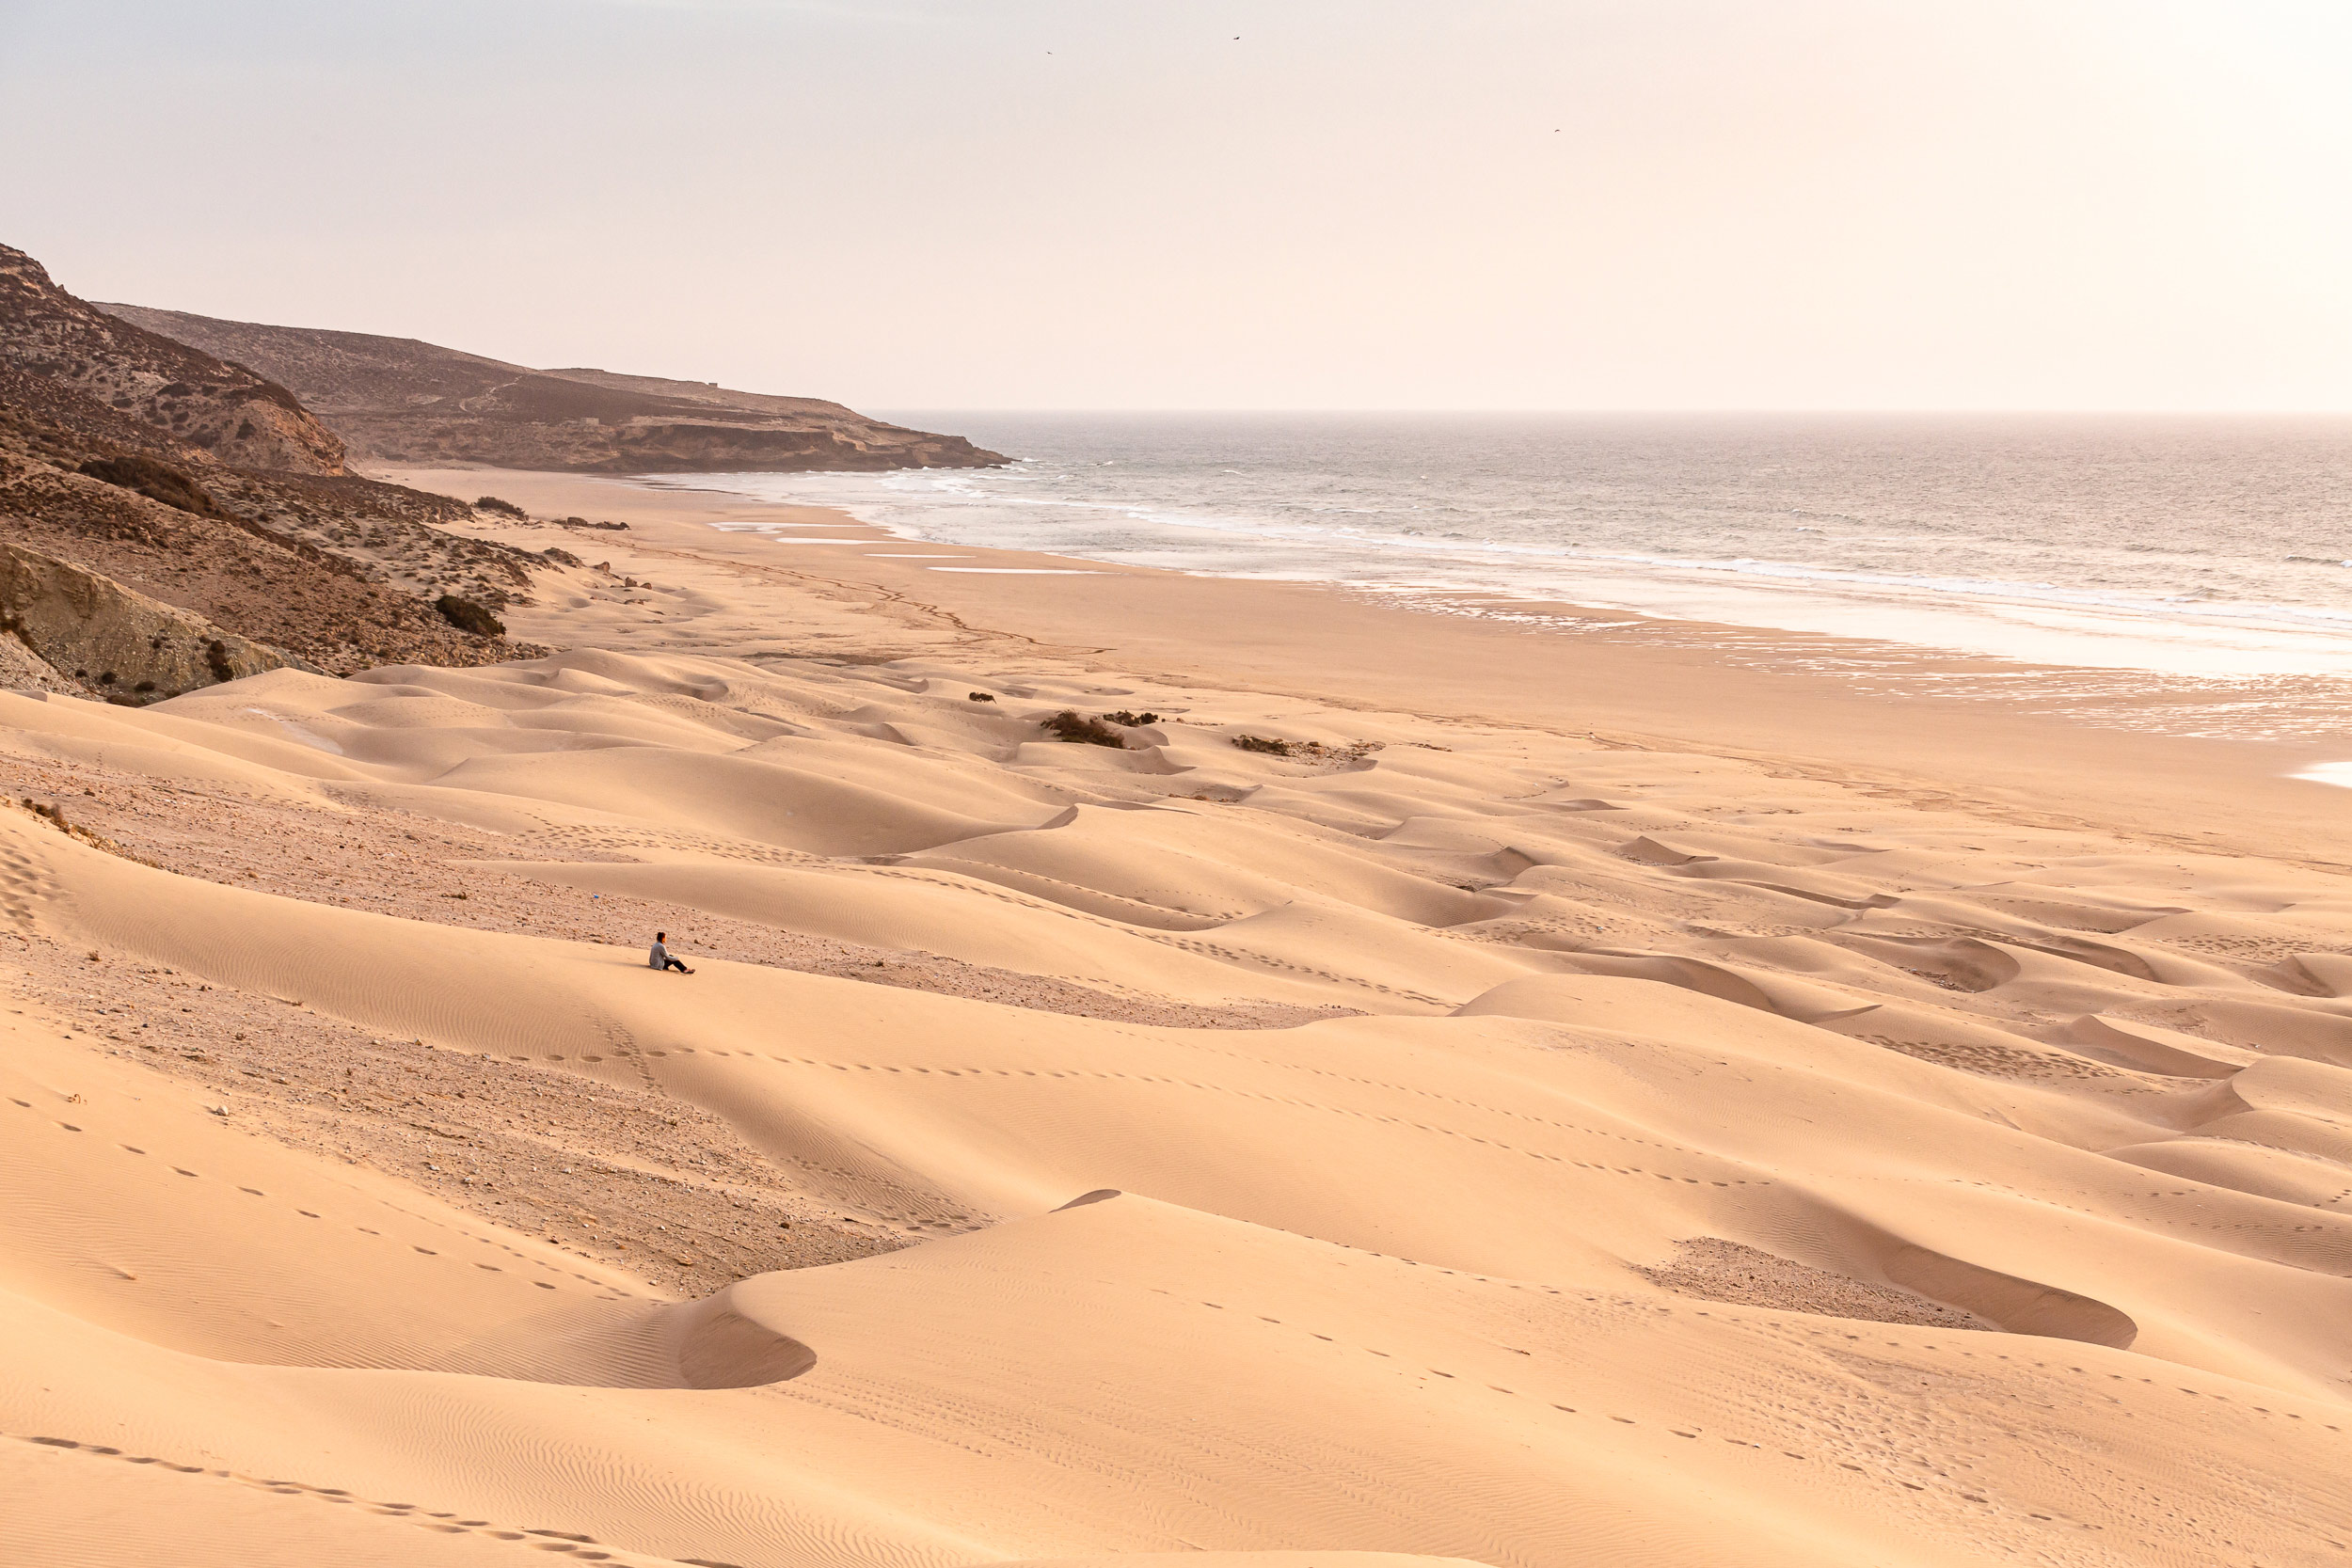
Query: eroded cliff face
x=338 y=572
x=402 y=401
x=108 y=637
x=679 y=446
x=225 y=410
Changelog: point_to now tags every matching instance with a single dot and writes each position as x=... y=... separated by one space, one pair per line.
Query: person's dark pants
x=674 y=963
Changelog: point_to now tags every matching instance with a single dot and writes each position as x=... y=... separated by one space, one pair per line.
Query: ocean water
x=2199 y=545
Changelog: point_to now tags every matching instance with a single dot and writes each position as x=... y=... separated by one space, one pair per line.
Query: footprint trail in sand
x=1494 y=1145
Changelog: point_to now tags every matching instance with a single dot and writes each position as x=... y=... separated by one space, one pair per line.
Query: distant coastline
x=2095 y=544
x=403 y=401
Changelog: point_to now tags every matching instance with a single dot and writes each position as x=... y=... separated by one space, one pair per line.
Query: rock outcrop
x=331 y=569
x=224 y=410
x=126 y=644
x=23 y=670
x=399 y=400
x=337 y=571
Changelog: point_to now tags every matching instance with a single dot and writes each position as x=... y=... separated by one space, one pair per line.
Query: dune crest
x=1430 y=1141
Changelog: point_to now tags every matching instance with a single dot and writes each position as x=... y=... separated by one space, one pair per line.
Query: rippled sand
x=1475 y=1135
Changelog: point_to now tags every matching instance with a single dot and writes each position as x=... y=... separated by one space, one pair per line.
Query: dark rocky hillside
x=82 y=484
x=237 y=416
x=174 y=481
x=399 y=400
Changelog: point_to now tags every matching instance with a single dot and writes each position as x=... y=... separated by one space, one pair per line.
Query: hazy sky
x=1195 y=203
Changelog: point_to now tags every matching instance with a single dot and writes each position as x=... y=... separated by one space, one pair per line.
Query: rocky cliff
x=399 y=400
x=217 y=494
x=84 y=623
x=223 y=409
x=338 y=571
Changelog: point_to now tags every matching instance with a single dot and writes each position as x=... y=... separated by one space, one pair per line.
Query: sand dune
x=1671 y=1156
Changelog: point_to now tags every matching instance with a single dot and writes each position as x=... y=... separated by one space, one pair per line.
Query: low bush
x=491 y=503
x=1073 y=726
x=1353 y=751
x=466 y=615
x=1120 y=715
x=156 y=481
x=980 y=696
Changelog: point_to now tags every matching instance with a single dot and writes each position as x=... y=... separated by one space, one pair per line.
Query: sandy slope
x=1648 y=1122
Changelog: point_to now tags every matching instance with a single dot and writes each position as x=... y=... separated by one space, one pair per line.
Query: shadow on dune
x=1822 y=1236
x=699 y=1344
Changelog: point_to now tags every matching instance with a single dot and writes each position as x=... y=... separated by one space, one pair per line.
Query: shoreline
x=1913 y=720
x=2313 y=705
x=1971 y=608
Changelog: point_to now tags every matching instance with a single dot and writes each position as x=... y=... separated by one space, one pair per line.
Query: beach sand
x=1636 y=1098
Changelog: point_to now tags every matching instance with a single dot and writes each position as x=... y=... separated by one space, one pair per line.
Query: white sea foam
x=2192 y=546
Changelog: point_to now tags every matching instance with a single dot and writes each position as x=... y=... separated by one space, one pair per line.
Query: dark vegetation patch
x=1313 y=749
x=466 y=615
x=154 y=479
x=979 y=696
x=1120 y=715
x=1071 y=725
x=491 y=503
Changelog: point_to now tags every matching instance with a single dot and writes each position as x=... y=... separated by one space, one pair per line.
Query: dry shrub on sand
x=1071 y=725
x=1315 y=750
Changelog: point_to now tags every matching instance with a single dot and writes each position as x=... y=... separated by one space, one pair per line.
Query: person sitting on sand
x=660 y=957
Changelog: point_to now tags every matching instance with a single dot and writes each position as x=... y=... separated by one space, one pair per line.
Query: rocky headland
x=398 y=399
x=158 y=503
x=224 y=409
